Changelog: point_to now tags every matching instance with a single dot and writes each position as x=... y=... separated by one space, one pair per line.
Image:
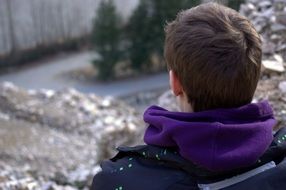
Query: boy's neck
x=184 y=105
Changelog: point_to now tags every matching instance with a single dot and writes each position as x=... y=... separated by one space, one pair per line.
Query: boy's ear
x=175 y=84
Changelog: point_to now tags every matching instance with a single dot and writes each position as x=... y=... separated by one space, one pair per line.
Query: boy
x=219 y=140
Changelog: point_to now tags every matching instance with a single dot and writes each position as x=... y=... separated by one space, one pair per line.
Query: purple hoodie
x=219 y=140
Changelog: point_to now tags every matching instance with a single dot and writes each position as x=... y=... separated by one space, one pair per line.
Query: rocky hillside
x=54 y=140
x=269 y=19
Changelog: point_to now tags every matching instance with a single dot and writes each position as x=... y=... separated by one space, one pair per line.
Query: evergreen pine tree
x=139 y=33
x=146 y=28
x=106 y=39
x=163 y=12
x=235 y=4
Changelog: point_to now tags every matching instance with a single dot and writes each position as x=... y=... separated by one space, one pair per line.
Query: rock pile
x=269 y=18
x=168 y=101
x=55 y=139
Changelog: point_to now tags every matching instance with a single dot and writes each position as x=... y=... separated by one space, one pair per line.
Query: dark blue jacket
x=157 y=168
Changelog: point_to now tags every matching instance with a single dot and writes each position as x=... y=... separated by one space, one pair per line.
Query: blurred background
x=77 y=44
x=76 y=76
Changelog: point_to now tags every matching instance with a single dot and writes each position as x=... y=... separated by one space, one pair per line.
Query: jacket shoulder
x=137 y=168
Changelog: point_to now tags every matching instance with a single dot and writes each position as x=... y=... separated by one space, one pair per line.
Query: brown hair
x=216 y=54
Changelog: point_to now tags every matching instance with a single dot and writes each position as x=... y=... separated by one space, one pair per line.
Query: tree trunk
x=12 y=34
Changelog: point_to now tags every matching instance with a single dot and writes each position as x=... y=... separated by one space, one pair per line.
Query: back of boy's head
x=216 y=55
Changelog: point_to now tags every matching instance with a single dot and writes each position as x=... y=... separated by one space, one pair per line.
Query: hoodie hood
x=218 y=140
